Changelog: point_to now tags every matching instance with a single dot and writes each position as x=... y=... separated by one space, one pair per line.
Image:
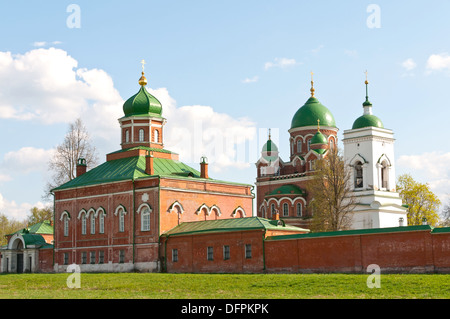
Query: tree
x=63 y=164
x=9 y=226
x=38 y=215
x=422 y=202
x=445 y=222
x=331 y=193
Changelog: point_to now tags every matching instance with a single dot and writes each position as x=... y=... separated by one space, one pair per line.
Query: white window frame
x=141 y=135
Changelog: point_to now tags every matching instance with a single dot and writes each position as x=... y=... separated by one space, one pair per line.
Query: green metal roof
x=319 y=138
x=231 y=224
x=130 y=168
x=33 y=239
x=367 y=120
x=38 y=228
x=310 y=112
x=142 y=104
x=354 y=232
x=287 y=190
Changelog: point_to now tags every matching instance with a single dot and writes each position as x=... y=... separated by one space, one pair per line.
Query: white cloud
x=316 y=50
x=351 y=53
x=251 y=80
x=409 y=64
x=437 y=62
x=198 y=130
x=432 y=168
x=280 y=63
x=27 y=159
x=45 y=85
x=44 y=43
x=17 y=211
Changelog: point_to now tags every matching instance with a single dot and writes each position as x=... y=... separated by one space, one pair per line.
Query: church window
x=101 y=223
x=384 y=175
x=127 y=136
x=210 y=253
x=66 y=258
x=263 y=212
x=174 y=255
x=121 y=221
x=66 y=225
x=83 y=257
x=248 y=251
x=299 y=210
x=226 y=252
x=121 y=256
x=92 y=224
x=141 y=135
x=101 y=256
x=83 y=224
x=273 y=209
x=358 y=175
x=145 y=219
x=299 y=146
x=156 y=136
x=285 y=209
x=309 y=145
x=92 y=257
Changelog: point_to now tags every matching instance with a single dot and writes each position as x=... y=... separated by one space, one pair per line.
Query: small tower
x=142 y=123
x=369 y=152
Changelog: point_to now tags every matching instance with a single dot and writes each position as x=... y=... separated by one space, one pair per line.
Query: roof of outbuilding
x=231 y=224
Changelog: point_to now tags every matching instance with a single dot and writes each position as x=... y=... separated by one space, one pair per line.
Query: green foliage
x=223 y=286
x=421 y=201
x=38 y=215
x=8 y=226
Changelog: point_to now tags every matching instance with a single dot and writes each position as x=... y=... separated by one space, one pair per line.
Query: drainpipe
x=134 y=217
x=264 y=250
x=251 y=191
x=54 y=230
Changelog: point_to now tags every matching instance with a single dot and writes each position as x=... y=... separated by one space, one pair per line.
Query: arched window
x=299 y=146
x=92 y=223
x=121 y=220
x=299 y=210
x=263 y=212
x=285 y=209
x=66 y=225
x=145 y=219
x=155 y=136
x=83 y=224
x=141 y=135
x=101 y=223
x=384 y=175
x=309 y=145
x=272 y=210
x=358 y=175
x=127 y=136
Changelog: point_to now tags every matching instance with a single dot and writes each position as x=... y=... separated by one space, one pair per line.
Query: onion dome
x=367 y=119
x=312 y=110
x=142 y=103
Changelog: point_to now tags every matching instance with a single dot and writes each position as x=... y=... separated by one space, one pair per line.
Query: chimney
x=81 y=166
x=204 y=167
x=149 y=169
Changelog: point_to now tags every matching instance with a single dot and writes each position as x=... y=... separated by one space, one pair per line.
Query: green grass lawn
x=223 y=286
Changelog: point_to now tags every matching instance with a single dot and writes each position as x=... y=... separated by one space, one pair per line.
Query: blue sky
x=244 y=64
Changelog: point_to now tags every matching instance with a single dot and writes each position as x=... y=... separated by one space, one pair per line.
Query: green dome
x=270 y=147
x=367 y=120
x=312 y=111
x=142 y=104
x=319 y=138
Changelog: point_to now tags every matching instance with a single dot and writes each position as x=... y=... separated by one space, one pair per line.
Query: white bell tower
x=369 y=151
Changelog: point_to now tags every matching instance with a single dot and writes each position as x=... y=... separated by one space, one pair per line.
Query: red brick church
x=110 y=218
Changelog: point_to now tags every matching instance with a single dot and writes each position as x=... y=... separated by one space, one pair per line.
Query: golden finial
x=269 y=133
x=143 y=79
x=318 y=125
x=366 y=82
x=312 y=85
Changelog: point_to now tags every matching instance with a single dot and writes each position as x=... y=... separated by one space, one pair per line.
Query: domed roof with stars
x=142 y=103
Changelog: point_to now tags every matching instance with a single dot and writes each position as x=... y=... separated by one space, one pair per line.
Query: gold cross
x=143 y=63
x=367 y=82
x=318 y=125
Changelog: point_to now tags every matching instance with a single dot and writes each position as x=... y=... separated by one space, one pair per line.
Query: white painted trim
x=142 y=206
x=214 y=207
x=82 y=211
x=118 y=208
x=64 y=213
